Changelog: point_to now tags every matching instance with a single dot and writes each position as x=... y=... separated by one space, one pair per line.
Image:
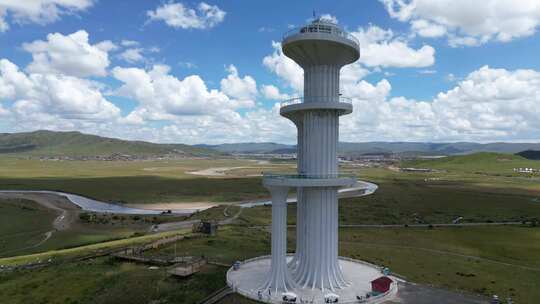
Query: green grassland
x=138 y=182
x=417 y=202
x=483 y=163
x=483 y=260
x=61 y=255
x=104 y=281
x=480 y=188
x=22 y=224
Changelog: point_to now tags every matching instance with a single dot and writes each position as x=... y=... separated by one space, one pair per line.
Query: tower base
x=252 y=273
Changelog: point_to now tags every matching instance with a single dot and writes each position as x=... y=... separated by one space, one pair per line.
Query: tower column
x=300 y=201
x=279 y=278
x=321 y=83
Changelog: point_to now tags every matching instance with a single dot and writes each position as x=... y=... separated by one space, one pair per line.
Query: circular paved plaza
x=252 y=274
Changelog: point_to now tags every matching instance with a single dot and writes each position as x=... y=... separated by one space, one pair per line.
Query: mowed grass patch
x=105 y=280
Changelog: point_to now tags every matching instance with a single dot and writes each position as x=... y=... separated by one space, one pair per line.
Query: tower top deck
x=321 y=42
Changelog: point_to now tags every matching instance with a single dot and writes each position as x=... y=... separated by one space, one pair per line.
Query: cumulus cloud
x=70 y=55
x=285 y=68
x=383 y=48
x=330 y=18
x=39 y=11
x=468 y=23
x=485 y=106
x=161 y=96
x=241 y=88
x=177 y=15
x=49 y=100
x=132 y=55
x=272 y=92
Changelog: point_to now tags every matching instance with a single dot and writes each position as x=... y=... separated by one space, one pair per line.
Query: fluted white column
x=279 y=278
x=318 y=265
x=321 y=83
x=300 y=202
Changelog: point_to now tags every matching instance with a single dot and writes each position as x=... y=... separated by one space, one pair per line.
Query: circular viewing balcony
x=308 y=180
x=316 y=99
x=290 y=107
x=321 y=27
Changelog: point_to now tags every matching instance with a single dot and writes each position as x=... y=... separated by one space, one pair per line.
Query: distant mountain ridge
x=76 y=144
x=249 y=147
x=347 y=148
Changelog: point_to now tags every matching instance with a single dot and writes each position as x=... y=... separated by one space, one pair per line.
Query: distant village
x=526 y=170
x=116 y=157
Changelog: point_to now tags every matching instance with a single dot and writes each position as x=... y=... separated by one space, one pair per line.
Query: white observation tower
x=321 y=48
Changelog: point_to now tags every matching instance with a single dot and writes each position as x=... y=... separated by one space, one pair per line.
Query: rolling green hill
x=530 y=154
x=485 y=162
x=76 y=144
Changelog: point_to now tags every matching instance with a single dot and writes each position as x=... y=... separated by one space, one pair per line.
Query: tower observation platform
x=315 y=269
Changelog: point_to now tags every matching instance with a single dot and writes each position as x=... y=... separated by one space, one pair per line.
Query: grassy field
x=105 y=281
x=417 y=202
x=482 y=163
x=137 y=182
x=483 y=260
x=480 y=188
x=23 y=224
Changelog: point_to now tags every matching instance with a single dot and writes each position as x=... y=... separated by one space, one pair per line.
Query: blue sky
x=212 y=72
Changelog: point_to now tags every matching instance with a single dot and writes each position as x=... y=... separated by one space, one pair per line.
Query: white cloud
x=486 y=106
x=52 y=100
x=162 y=96
x=466 y=22
x=241 y=88
x=285 y=68
x=129 y=43
x=38 y=11
x=379 y=47
x=272 y=92
x=178 y=15
x=330 y=18
x=132 y=55
x=70 y=55
x=427 y=29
